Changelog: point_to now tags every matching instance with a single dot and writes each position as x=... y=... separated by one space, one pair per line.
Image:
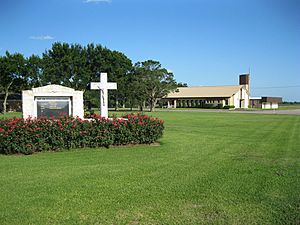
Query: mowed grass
x=210 y=168
x=289 y=106
x=10 y=115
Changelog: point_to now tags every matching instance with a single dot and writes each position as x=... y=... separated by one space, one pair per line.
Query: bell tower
x=245 y=80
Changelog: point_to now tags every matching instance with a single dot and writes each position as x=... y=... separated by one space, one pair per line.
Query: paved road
x=273 y=112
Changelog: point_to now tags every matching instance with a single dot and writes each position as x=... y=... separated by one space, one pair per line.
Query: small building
x=215 y=96
x=265 y=102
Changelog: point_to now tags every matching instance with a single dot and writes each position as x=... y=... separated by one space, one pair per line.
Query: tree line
x=75 y=66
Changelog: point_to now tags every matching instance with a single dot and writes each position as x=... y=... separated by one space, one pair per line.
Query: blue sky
x=204 y=42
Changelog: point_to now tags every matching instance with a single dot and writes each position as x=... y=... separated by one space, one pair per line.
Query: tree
x=115 y=63
x=120 y=66
x=155 y=81
x=75 y=66
x=135 y=92
x=34 y=71
x=65 y=64
x=12 y=74
x=180 y=84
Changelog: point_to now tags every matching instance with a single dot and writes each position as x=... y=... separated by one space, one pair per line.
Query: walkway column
x=175 y=104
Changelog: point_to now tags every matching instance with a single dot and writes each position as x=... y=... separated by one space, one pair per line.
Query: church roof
x=205 y=91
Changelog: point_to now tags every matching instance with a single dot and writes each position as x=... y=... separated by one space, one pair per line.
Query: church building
x=214 y=96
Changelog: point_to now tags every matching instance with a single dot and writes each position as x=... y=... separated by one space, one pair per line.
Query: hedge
x=19 y=136
x=229 y=107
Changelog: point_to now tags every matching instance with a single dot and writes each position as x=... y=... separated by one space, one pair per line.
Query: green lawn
x=289 y=106
x=211 y=168
x=9 y=115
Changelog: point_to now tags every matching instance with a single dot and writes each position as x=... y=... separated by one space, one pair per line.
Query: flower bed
x=43 y=134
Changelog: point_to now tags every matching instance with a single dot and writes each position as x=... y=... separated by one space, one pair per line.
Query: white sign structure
x=103 y=86
x=52 y=100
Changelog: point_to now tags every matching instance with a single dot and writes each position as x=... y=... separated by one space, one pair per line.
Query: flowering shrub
x=43 y=134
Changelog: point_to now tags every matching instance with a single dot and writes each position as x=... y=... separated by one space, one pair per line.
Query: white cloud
x=97 y=1
x=41 y=38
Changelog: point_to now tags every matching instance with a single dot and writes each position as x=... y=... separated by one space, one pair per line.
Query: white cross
x=103 y=86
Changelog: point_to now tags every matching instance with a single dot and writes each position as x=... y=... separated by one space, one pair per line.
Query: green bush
x=220 y=106
x=228 y=107
x=43 y=134
x=209 y=105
